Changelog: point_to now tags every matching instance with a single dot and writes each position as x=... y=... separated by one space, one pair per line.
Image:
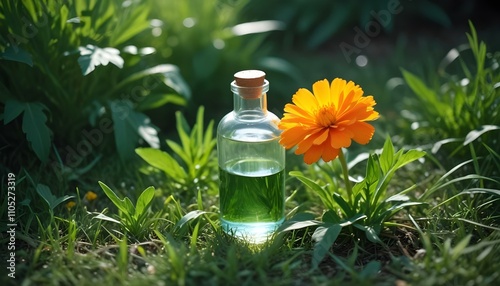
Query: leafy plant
x=134 y=220
x=467 y=103
x=366 y=274
x=34 y=124
x=193 y=165
x=209 y=41
x=451 y=260
x=367 y=207
x=55 y=72
x=51 y=200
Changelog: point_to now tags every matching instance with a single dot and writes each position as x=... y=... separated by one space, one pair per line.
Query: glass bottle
x=251 y=162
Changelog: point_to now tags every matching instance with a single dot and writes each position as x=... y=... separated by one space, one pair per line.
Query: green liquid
x=252 y=198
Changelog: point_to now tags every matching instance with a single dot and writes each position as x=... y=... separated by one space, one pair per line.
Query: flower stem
x=345 y=172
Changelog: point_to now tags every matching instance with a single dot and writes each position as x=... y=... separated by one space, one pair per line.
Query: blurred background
x=299 y=42
x=77 y=62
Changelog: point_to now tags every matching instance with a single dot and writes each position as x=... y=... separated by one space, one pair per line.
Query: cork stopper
x=250 y=78
x=250 y=83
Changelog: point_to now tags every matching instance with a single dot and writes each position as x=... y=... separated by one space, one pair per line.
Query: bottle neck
x=250 y=107
x=250 y=103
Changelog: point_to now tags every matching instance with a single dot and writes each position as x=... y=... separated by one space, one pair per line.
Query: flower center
x=325 y=116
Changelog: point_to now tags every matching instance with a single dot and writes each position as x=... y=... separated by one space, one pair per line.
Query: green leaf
x=427 y=95
x=399 y=160
x=397 y=207
x=199 y=200
x=156 y=158
x=130 y=207
x=125 y=136
x=13 y=109
x=162 y=161
x=344 y=205
x=398 y=198
x=198 y=128
x=353 y=219
x=128 y=126
x=179 y=151
x=460 y=247
x=371 y=269
x=37 y=132
x=144 y=201
x=474 y=134
x=370 y=232
x=156 y=100
x=163 y=72
x=134 y=24
x=188 y=217
x=470 y=177
x=17 y=54
x=146 y=130
x=119 y=203
x=322 y=192
x=324 y=236
x=386 y=158
x=92 y=56
x=437 y=145
x=331 y=216
x=418 y=86
x=49 y=198
x=293 y=225
x=107 y=218
x=368 y=184
x=183 y=130
x=481 y=191
x=408 y=157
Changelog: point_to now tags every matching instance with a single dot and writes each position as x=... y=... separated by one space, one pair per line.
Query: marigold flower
x=324 y=121
x=70 y=205
x=90 y=196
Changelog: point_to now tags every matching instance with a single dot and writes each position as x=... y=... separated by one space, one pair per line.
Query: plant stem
x=345 y=172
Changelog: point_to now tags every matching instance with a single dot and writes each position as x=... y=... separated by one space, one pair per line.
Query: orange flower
x=90 y=196
x=70 y=205
x=322 y=123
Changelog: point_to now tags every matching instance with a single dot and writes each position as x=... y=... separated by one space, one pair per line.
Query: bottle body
x=251 y=171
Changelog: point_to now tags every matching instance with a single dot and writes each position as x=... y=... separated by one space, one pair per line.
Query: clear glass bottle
x=251 y=162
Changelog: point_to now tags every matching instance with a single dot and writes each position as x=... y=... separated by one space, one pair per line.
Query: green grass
x=458 y=242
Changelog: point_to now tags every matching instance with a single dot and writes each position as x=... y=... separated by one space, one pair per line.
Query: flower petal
x=360 y=111
x=308 y=142
x=363 y=132
x=313 y=154
x=322 y=137
x=321 y=90
x=348 y=100
x=304 y=99
x=297 y=115
x=336 y=88
x=329 y=154
x=292 y=136
x=339 y=139
x=294 y=109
